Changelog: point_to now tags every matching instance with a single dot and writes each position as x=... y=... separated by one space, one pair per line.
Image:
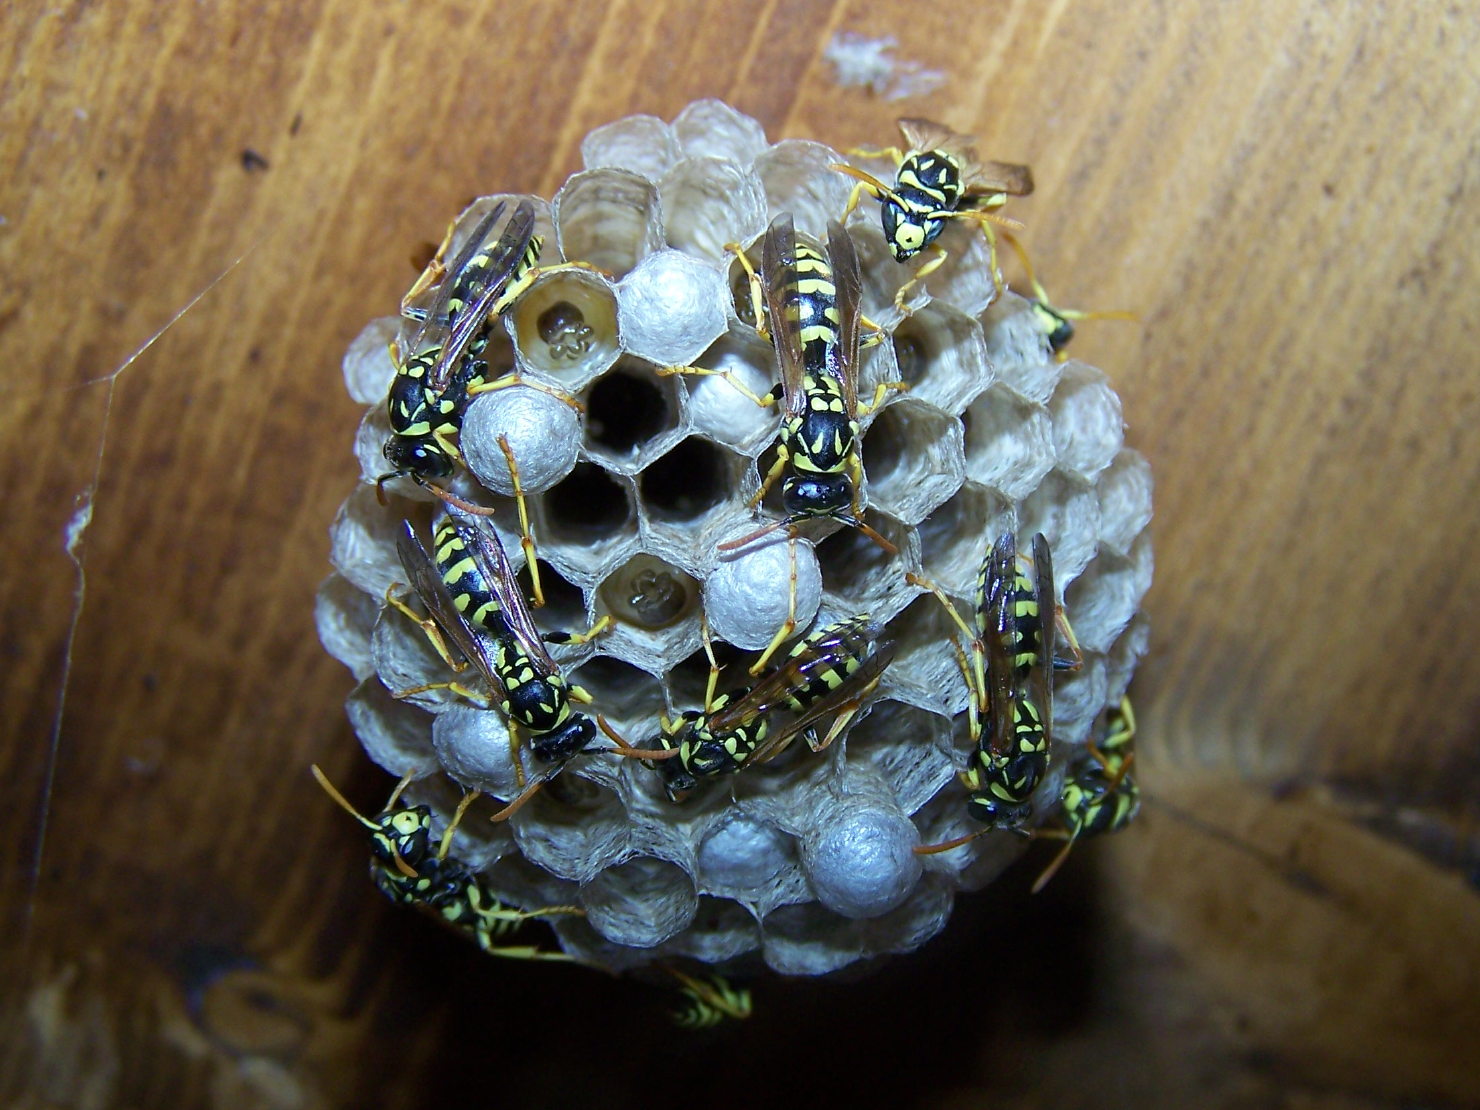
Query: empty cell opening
x=605 y=217
x=587 y=506
x=565 y=605
x=625 y=410
x=955 y=538
x=854 y=565
x=577 y=793
x=703 y=207
x=884 y=446
x=912 y=352
x=688 y=678
x=687 y=482
x=620 y=689
x=648 y=593
x=923 y=637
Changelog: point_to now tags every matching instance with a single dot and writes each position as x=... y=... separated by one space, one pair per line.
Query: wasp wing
x=436 y=316
x=1041 y=679
x=921 y=135
x=852 y=689
x=503 y=258
x=422 y=574
x=848 y=281
x=779 y=261
x=997 y=177
x=487 y=551
x=997 y=628
x=824 y=650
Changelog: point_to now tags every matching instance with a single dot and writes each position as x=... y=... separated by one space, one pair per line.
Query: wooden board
x=203 y=204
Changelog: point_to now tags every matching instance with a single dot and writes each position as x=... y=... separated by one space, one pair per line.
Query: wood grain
x=1280 y=190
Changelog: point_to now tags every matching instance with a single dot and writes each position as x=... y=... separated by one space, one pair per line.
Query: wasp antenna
x=340 y=799
x=871 y=534
x=454 y=500
x=518 y=803
x=932 y=849
x=733 y=545
x=1052 y=869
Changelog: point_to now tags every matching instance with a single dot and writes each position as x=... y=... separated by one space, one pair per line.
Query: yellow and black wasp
x=1009 y=677
x=812 y=304
x=1056 y=324
x=409 y=872
x=443 y=362
x=470 y=590
x=938 y=177
x=1100 y=796
x=831 y=671
x=443 y=367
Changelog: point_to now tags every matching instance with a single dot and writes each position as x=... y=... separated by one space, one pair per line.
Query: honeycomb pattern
x=803 y=864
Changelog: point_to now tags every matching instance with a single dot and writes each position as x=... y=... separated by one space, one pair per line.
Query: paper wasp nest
x=804 y=863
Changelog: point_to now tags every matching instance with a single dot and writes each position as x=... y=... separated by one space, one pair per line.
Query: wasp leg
x=947 y=845
x=455 y=687
x=757 y=297
x=1056 y=316
x=984 y=219
x=1075 y=657
x=789 y=625
x=517 y=289
x=867 y=183
x=973 y=671
x=877 y=333
x=429 y=627
x=516 y=378
x=526 y=541
x=882 y=390
x=525 y=952
x=580 y=637
x=735 y=383
x=783 y=456
x=846 y=712
x=462 y=807
x=935 y=263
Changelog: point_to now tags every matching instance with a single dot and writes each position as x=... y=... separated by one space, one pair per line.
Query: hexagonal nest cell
x=639 y=474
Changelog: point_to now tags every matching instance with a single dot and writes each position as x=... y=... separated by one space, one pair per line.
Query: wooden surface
x=1286 y=193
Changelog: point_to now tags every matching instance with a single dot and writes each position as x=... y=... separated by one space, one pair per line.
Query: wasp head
x=566 y=740
x=816 y=494
x=909 y=230
x=417 y=456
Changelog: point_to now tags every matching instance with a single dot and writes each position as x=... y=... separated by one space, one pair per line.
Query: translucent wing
x=923 y=134
x=483 y=544
x=848 y=281
x=1041 y=678
x=779 y=260
x=997 y=177
x=435 y=316
x=830 y=648
x=503 y=258
x=422 y=574
x=997 y=617
x=856 y=685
